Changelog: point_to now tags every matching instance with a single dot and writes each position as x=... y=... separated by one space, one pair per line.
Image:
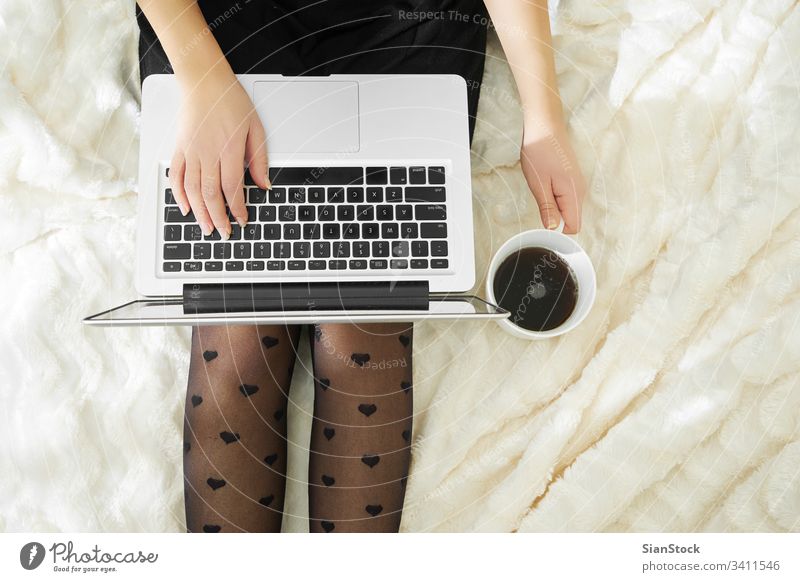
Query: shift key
x=425 y=194
x=433 y=230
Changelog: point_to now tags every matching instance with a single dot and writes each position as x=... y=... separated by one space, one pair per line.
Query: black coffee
x=537 y=287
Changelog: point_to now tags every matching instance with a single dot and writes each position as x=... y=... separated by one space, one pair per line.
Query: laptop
x=370 y=200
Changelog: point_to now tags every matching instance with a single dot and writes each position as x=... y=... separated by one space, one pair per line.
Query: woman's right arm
x=219 y=128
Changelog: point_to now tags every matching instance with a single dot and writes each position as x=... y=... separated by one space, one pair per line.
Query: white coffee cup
x=566 y=248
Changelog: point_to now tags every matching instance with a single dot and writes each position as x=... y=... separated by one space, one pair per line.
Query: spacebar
x=322 y=176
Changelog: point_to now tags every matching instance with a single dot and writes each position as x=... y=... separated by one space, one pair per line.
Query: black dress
x=322 y=37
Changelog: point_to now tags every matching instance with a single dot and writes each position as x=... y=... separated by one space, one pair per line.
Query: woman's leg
x=235 y=427
x=361 y=434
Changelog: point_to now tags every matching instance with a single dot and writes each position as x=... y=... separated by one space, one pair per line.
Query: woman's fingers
x=568 y=197
x=256 y=153
x=177 y=169
x=212 y=196
x=233 y=181
x=542 y=191
x=192 y=185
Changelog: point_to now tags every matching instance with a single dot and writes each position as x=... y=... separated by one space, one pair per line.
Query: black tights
x=235 y=426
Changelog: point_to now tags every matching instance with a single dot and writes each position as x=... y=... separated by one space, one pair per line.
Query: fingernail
x=242 y=221
x=552 y=223
x=206 y=228
x=184 y=208
x=225 y=233
x=267 y=184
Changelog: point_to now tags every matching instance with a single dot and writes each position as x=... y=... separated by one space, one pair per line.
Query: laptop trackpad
x=308 y=116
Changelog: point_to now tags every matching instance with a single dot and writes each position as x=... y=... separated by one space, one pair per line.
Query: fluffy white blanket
x=674 y=406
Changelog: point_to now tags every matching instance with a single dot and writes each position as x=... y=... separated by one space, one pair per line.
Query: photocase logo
x=31 y=555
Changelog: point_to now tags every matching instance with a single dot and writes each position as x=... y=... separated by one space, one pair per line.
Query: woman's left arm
x=547 y=159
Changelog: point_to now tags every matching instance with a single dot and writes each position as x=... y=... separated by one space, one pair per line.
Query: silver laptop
x=370 y=184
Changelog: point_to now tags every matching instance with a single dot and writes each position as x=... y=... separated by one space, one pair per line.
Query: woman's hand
x=219 y=130
x=553 y=174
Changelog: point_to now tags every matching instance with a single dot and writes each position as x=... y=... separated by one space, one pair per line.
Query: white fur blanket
x=673 y=407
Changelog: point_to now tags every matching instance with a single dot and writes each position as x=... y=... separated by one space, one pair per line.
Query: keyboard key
x=301 y=250
x=365 y=212
x=429 y=212
x=222 y=250
x=355 y=195
x=254 y=265
x=177 y=251
x=312 y=231
x=346 y=212
x=167 y=172
x=399 y=263
x=370 y=230
x=201 y=251
x=276 y=265
x=213 y=265
x=436 y=175
x=321 y=250
x=378 y=264
x=389 y=230
x=417 y=175
x=193 y=266
x=173 y=214
x=282 y=250
x=291 y=231
x=272 y=231
x=316 y=265
x=192 y=232
x=361 y=249
x=433 y=230
x=336 y=195
x=262 y=250
x=215 y=235
x=248 y=179
x=398 y=175
x=337 y=264
x=419 y=248
x=439 y=248
x=316 y=195
x=425 y=194
x=252 y=232
x=277 y=196
x=251 y=213
x=168 y=197
x=305 y=213
x=385 y=212
x=297 y=265
x=297 y=195
x=374 y=194
x=358 y=264
x=234 y=265
x=172 y=232
x=380 y=248
x=409 y=230
x=394 y=194
x=267 y=214
x=439 y=263
x=236 y=232
x=257 y=196
x=341 y=249
x=403 y=212
x=350 y=230
x=326 y=213
x=172 y=266
x=419 y=263
x=330 y=231
x=319 y=176
x=241 y=250
x=400 y=248
x=287 y=213
x=377 y=175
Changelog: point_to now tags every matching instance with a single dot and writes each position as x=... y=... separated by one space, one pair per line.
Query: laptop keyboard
x=322 y=219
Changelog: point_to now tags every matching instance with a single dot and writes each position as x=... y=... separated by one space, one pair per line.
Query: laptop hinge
x=317 y=296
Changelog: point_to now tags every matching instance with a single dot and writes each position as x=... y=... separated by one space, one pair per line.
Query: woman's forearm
x=182 y=29
x=523 y=27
